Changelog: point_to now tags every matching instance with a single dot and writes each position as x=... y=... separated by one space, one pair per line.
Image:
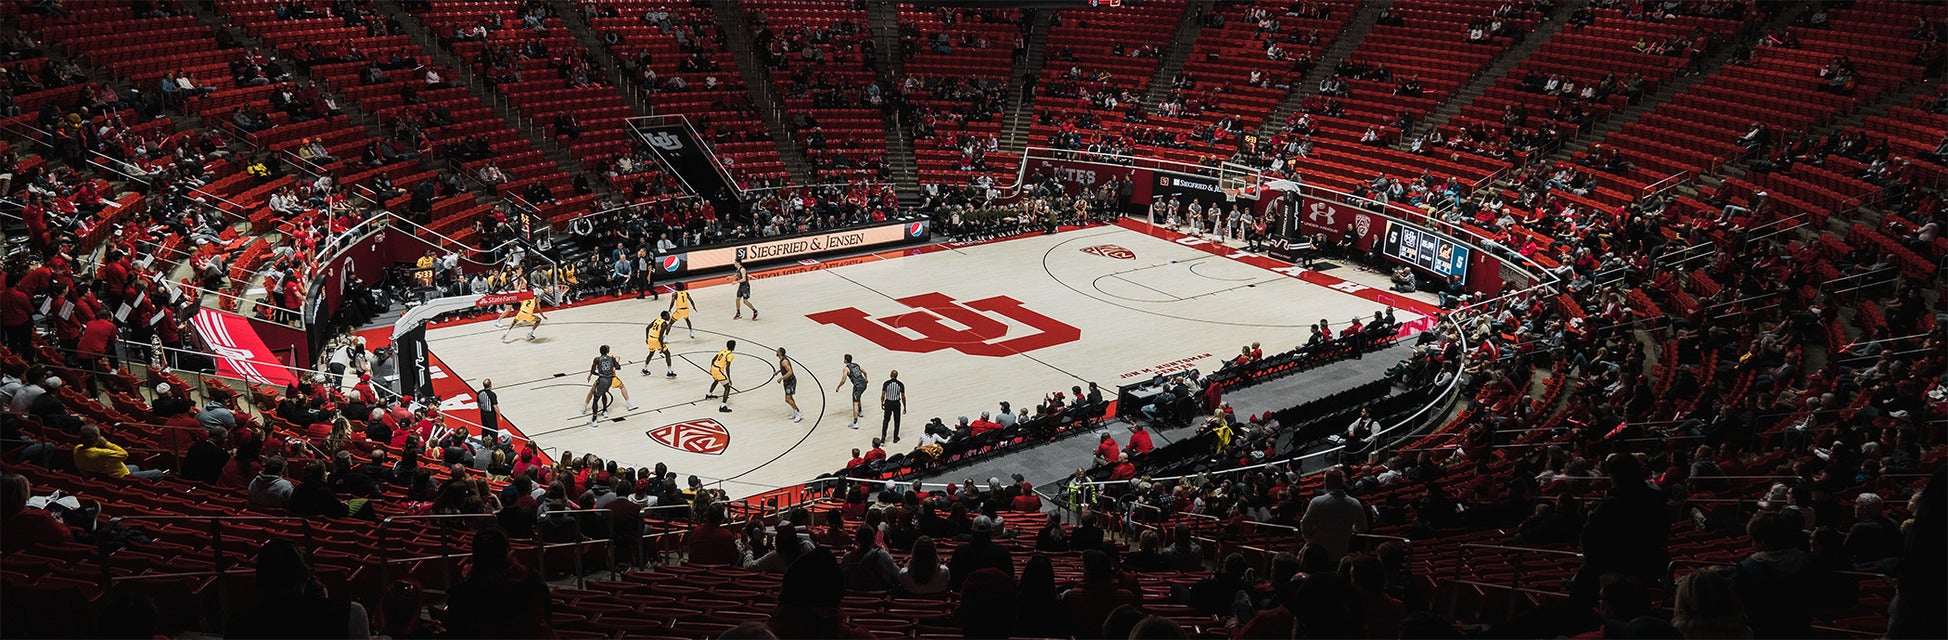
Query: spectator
x=867 y=567
x=1053 y=537
x=95 y=455
x=1707 y=607
x=500 y=598
x=1106 y=449
x=1090 y=603
x=1625 y=531
x=1921 y=580
x=808 y=603
x=315 y=498
x=1148 y=556
x=291 y=603
x=1333 y=517
x=1087 y=535
x=1026 y=500
x=710 y=543
x=1775 y=583
x=1214 y=594
x=23 y=528
x=789 y=548
x=1873 y=537
x=269 y=490
x=215 y=415
x=1183 y=554
x=205 y=460
x=923 y=573
x=979 y=553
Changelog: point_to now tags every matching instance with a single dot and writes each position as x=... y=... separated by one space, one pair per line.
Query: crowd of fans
x=1668 y=396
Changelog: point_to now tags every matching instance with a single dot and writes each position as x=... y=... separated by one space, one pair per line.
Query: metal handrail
x=218 y=559
x=446 y=548
x=1518 y=564
x=1660 y=186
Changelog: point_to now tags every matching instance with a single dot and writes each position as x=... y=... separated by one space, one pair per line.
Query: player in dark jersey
x=743 y=279
x=789 y=376
x=602 y=373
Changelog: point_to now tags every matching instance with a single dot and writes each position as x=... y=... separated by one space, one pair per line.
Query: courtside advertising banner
x=240 y=353
x=1203 y=190
x=795 y=247
x=1425 y=250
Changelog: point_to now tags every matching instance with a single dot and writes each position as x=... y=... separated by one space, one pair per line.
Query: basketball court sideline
x=966 y=326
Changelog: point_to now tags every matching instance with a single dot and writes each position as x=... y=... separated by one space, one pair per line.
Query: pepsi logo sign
x=1110 y=251
x=706 y=436
x=916 y=229
x=671 y=263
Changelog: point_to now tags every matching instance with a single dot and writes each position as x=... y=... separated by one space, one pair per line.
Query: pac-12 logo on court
x=695 y=436
x=1110 y=251
x=983 y=336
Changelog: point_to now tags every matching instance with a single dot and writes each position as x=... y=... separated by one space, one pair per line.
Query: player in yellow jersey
x=681 y=306
x=529 y=312
x=653 y=336
x=720 y=372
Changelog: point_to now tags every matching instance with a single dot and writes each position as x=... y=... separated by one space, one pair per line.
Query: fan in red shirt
x=877 y=453
x=710 y=543
x=1106 y=449
x=982 y=425
x=114 y=273
x=856 y=460
x=1139 y=441
x=1027 y=501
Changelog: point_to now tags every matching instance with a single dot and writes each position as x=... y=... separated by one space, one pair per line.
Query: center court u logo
x=983 y=335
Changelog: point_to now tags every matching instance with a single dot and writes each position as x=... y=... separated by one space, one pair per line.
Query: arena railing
x=1671 y=571
x=98 y=160
x=446 y=555
x=1207 y=528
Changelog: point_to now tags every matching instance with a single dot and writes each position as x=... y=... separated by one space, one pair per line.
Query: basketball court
x=966 y=325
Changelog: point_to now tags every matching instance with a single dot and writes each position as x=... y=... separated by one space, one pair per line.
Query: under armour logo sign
x=983 y=335
x=1322 y=213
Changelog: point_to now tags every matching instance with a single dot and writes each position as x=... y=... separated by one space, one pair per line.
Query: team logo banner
x=1318 y=216
x=692 y=162
x=706 y=436
x=240 y=353
x=1110 y=251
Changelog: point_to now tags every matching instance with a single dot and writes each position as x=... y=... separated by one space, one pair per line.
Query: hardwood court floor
x=967 y=326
